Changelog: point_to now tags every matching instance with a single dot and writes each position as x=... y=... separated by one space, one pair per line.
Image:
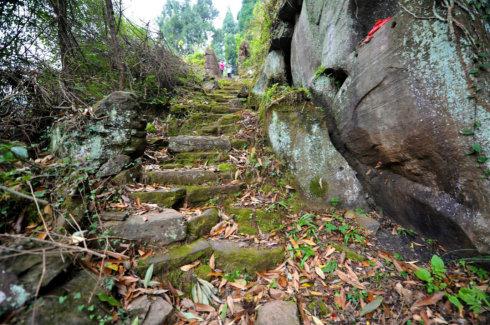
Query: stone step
x=185 y=143
x=165 y=198
x=230 y=256
x=163 y=227
x=183 y=176
x=199 y=194
x=233 y=256
x=199 y=158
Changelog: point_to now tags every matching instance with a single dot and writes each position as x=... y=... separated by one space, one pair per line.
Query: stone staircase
x=189 y=189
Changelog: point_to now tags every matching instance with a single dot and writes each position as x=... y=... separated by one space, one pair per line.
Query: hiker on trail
x=229 y=71
x=221 y=67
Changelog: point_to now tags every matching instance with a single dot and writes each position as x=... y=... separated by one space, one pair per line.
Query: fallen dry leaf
x=189 y=267
x=429 y=300
x=350 y=280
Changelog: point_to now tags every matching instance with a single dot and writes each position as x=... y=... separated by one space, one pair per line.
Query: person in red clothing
x=221 y=67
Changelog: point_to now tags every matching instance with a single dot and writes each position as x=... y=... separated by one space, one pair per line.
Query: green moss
x=239 y=144
x=201 y=225
x=251 y=221
x=164 y=198
x=349 y=253
x=318 y=187
x=201 y=193
x=175 y=257
x=203 y=271
x=171 y=166
x=249 y=260
x=197 y=158
x=226 y=167
x=229 y=118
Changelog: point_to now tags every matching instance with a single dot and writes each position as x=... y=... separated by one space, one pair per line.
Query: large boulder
x=298 y=133
x=274 y=71
x=399 y=108
x=111 y=135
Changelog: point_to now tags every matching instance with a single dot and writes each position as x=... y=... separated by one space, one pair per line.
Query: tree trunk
x=116 y=50
x=64 y=35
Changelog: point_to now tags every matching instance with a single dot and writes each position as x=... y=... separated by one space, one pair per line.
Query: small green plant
x=355 y=295
x=405 y=232
x=151 y=128
x=434 y=277
x=335 y=201
x=232 y=276
x=398 y=256
x=472 y=296
x=320 y=71
x=330 y=267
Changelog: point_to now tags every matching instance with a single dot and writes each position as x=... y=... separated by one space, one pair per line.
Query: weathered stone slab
x=278 y=312
x=198 y=143
x=231 y=256
x=200 y=194
x=164 y=198
x=151 y=310
x=200 y=225
x=164 y=227
x=182 y=176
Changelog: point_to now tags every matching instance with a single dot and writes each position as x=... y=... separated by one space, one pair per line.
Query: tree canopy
x=186 y=26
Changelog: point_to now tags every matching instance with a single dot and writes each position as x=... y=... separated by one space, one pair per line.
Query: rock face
x=298 y=133
x=151 y=310
x=397 y=109
x=211 y=63
x=278 y=312
x=274 y=71
x=114 y=134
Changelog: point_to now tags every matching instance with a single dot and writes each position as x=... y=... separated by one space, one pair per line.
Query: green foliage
x=257 y=35
x=108 y=299
x=335 y=201
x=232 y=276
x=151 y=128
x=433 y=277
x=474 y=298
x=185 y=25
x=12 y=152
x=331 y=266
x=246 y=14
x=197 y=58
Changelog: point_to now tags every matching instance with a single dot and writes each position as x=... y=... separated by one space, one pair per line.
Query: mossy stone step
x=186 y=143
x=175 y=257
x=232 y=256
x=217 y=129
x=171 y=198
x=183 y=176
x=164 y=227
x=200 y=194
x=255 y=221
x=199 y=158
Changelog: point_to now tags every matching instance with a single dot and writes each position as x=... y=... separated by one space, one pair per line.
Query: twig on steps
x=22 y=195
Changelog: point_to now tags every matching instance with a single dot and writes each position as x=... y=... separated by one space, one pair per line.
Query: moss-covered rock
x=232 y=256
x=239 y=144
x=251 y=222
x=164 y=198
x=349 y=253
x=318 y=187
x=185 y=280
x=175 y=257
x=199 y=194
x=202 y=224
x=197 y=158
